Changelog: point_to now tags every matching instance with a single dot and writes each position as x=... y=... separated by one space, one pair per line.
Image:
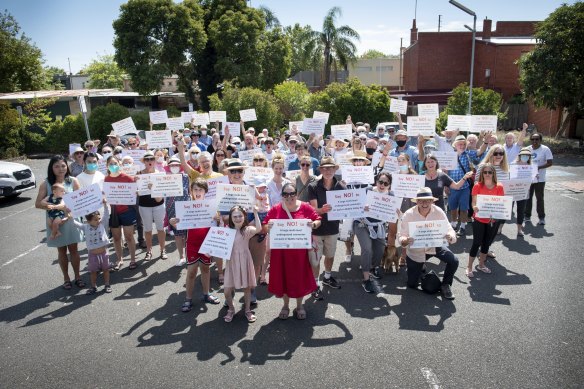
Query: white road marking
x=570 y=197
x=16 y=213
x=22 y=255
x=431 y=378
x=5 y=287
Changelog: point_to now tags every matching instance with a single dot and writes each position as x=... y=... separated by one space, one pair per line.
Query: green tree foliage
x=63 y=132
x=373 y=54
x=101 y=119
x=235 y=99
x=270 y=17
x=292 y=98
x=364 y=103
x=306 y=48
x=11 y=142
x=21 y=63
x=36 y=123
x=276 y=55
x=104 y=73
x=553 y=73
x=484 y=102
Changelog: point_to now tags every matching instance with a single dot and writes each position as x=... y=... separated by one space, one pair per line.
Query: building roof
x=509 y=40
x=76 y=92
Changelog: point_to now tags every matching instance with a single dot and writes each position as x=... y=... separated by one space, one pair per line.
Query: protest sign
x=448 y=160
x=186 y=117
x=518 y=189
x=421 y=125
x=175 y=124
x=357 y=174
x=124 y=126
x=382 y=206
x=298 y=125
x=158 y=117
x=400 y=106
x=166 y=185
x=319 y=115
x=407 y=185
x=247 y=155
x=233 y=127
x=219 y=242
x=195 y=214
x=255 y=171
x=523 y=172
x=480 y=123
x=428 y=233
x=346 y=204
x=212 y=184
x=229 y=195
x=218 y=116
x=143 y=183
x=313 y=126
x=120 y=193
x=159 y=139
x=248 y=115
x=290 y=234
x=459 y=122
x=428 y=110
x=494 y=207
x=342 y=131
x=84 y=201
x=201 y=119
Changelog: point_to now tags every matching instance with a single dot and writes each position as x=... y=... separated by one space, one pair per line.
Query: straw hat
x=525 y=151
x=328 y=161
x=424 y=194
x=345 y=143
x=235 y=163
x=359 y=155
x=173 y=160
x=459 y=138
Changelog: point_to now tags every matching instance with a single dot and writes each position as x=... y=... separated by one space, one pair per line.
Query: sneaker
x=317 y=294
x=368 y=286
x=541 y=222
x=107 y=289
x=331 y=283
x=446 y=292
x=181 y=262
x=376 y=273
x=527 y=219
x=461 y=231
x=210 y=299
x=348 y=258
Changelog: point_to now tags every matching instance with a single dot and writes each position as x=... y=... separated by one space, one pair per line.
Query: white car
x=15 y=178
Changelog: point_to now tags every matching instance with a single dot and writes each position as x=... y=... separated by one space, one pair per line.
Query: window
x=384 y=68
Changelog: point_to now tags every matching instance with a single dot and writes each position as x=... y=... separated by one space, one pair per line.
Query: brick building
x=436 y=62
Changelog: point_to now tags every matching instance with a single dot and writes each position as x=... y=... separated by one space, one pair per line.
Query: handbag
x=313 y=251
x=431 y=282
x=470 y=180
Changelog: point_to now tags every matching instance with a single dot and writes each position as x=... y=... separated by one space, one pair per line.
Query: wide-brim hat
x=424 y=193
x=401 y=132
x=235 y=163
x=360 y=155
x=78 y=149
x=173 y=160
x=525 y=151
x=260 y=181
x=113 y=135
x=345 y=143
x=459 y=138
x=148 y=154
x=328 y=161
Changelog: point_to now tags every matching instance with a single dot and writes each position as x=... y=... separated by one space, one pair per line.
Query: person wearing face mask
x=205 y=138
x=524 y=158
x=193 y=155
x=106 y=152
x=160 y=159
x=415 y=154
x=90 y=174
x=77 y=166
x=174 y=167
x=91 y=147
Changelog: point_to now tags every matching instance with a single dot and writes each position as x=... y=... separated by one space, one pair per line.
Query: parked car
x=15 y=178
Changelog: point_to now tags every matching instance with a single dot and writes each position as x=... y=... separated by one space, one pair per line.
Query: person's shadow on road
x=416 y=308
x=483 y=287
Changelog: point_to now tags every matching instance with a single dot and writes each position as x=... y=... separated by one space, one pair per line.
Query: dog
x=390 y=258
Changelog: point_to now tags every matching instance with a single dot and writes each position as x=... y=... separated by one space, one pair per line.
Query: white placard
x=143 y=182
x=400 y=106
x=313 y=126
x=382 y=206
x=480 y=123
x=357 y=174
x=159 y=139
x=342 y=159
x=342 y=131
x=158 y=117
x=84 y=201
x=136 y=155
x=407 y=185
x=346 y=204
x=421 y=125
x=233 y=127
x=298 y=125
x=229 y=195
x=175 y=124
x=292 y=174
x=256 y=171
x=191 y=107
x=319 y=115
x=428 y=233
x=120 y=193
x=288 y=159
x=102 y=166
x=290 y=234
x=212 y=184
x=130 y=170
x=518 y=189
x=391 y=165
x=72 y=147
x=166 y=185
x=247 y=115
x=195 y=214
x=428 y=110
x=218 y=116
x=219 y=242
x=201 y=119
x=125 y=126
x=523 y=172
x=447 y=160
x=459 y=122
x=186 y=116
x=247 y=155
x=494 y=207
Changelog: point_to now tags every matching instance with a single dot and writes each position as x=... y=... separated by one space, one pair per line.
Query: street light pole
x=474 y=31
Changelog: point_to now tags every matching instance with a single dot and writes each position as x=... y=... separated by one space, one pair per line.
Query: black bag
x=431 y=282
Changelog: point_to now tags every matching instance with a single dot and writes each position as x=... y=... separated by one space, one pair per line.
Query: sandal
x=263 y=281
x=133 y=265
x=67 y=285
x=163 y=255
x=187 y=306
x=469 y=273
x=79 y=283
x=484 y=269
x=221 y=279
x=491 y=254
x=250 y=316
x=210 y=299
x=118 y=266
x=300 y=313
x=107 y=289
x=284 y=313
x=91 y=291
x=229 y=316
x=148 y=256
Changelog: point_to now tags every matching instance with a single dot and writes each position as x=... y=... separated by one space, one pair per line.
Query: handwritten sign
x=518 y=189
x=494 y=207
x=428 y=110
x=407 y=185
x=319 y=115
x=218 y=116
x=143 y=183
x=346 y=204
x=523 y=172
x=186 y=117
x=219 y=242
x=247 y=155
x=288 y=159
x=421 y=125
x=357 y=174
x=459 y=122
x=295 y=126
x=136 y=155
x=159 y=139
x=428 y=233
x=247 y=115
x=166 y=185
x=230 y=195
x=290 y=234
x=130 y=170
x=480 y=123
x=120 y=193
x=158 y=117
x=447 y=160
x=313 y=126
x=233 y=127
x=201 y=119
x=174 y=124
x=124 y=126
x=84 y=201
x=400 y=106
x=382 y=206
x=342 y=131
x=195 y=214
x=292 y=174
x=256 y=171
x=212 y=184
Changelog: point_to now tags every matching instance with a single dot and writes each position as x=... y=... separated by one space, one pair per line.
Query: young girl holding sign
x=239 y=270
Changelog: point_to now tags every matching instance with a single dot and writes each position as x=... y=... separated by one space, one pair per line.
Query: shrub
x=10 y=140
x=61 y=133
x=101 y=119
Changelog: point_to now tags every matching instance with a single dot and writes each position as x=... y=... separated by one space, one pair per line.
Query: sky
x=81 y=30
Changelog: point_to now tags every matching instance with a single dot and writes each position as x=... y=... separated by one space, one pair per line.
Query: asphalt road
x=519 y=327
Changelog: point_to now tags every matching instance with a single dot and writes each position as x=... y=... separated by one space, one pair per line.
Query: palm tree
x=270 y=17
x=337 y=44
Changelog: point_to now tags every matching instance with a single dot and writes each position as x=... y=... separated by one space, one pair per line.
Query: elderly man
x=512 y=145
x=205 y=138
x=195 y=141
x=426 y=211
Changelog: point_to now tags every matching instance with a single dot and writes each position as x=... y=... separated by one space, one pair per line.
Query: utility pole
x=400 y=62
x=439 y=22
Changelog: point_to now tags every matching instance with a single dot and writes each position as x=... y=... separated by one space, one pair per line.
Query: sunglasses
x=118 y=152
x=305 y=164
x=236 y=171
x=498 y=154
x=149 y=159
x=80 y=153
x=88 y=146
x=384 y=183
x=220 y=155
x=488 y=172
x=288 y=194
x=535 y=139
x=258 y=159
x=194 y=153
x=292 y=141
x=132 y=144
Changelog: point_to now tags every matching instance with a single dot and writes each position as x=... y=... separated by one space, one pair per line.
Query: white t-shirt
x=86 y=180
x=512 y=152
x=539 y=157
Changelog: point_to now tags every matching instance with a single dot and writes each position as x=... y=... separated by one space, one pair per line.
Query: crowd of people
x=303 y=170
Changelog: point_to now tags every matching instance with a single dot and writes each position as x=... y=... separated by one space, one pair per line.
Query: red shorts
x=195 y=238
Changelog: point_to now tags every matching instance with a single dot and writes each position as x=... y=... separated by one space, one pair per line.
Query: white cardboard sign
x=319 y=115
x=290 y=234
x=158 y=117
x=219 y=242
x=120 y=193
x=342 y=131
x=298 y=125
x=159 y=139
x=233 y=127
x=400 y=106
x=447 y=160
x=494 y=207
x=248 y=115
x=428 y=233
x=201 y=119
x=175 y=123
x=195 y=214
x=407 y=185
x=382 y=206
x=229 y=195
x=124 y=126
x=256 y=171
x=357 y=174
x=218 y=116
x=459 y=122
x=518 y=189
x=346 y=204
x=186 y=117
x=84 y=201
x=421 y=125
x=313 y=126
x=428 y=110
x=166 y=185
x=480 y=123
x=212 y=184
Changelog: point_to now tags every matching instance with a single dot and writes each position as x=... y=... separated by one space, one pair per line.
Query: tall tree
x=104 y=73
x=306 y=48
x=270 y=17
x=276 y=58
x=553 y=73
x=373 y=54
x=338 y=46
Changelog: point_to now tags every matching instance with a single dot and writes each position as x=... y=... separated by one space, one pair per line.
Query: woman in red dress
x=290 y=271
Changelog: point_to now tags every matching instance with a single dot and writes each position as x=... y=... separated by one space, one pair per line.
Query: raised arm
x=180 y=145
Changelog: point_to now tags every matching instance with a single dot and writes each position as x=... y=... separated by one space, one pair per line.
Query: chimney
x=413 y=33
x=487 y=23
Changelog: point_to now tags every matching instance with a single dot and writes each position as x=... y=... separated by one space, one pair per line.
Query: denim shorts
x=459 y=199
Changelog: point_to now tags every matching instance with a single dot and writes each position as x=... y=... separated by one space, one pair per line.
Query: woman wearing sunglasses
x=218 y=157
x=437 y=180
x=483 y=229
